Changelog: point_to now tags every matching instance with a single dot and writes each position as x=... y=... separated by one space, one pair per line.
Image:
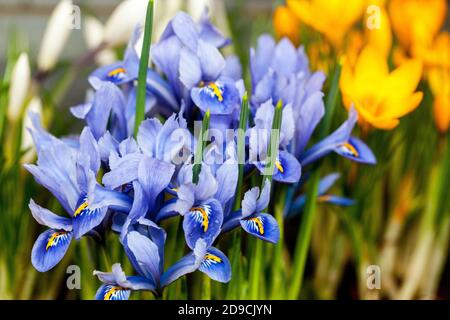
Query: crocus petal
x=56 y=34
x=19 y=87
x=47 y=218
x=146 y=254
x=263 y=226
x=203 y=222
x=49 y=248
x=216 y=265
x=356 y=150
x=112 y=292
x=123 y=20
x=220 y=97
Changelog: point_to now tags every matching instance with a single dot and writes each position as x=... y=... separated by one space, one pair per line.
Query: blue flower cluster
x=107 y=180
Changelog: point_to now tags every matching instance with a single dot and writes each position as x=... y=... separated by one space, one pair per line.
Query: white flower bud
x=93 y=34
x=55 y=36
x=123 y=20
x=18 y=88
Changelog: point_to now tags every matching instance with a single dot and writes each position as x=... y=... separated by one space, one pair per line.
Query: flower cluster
x=106 y=179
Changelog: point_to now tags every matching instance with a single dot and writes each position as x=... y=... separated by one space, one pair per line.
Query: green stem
x=272 y=154
x=277 y=270
x=143 y=67
x=201 y=145
x=307 y=221
x=243 y=119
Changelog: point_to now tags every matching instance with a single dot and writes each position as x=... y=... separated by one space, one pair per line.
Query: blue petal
x=356 y=150
x=146 y=254
x=211 y=60
x=327 y=182
x=227 y=177
x=220 y=97
x=233 y=68
x=114 y=73
x=86 y=219
x=263 y=226
x=216 y=265
x=185 y=265
x=112 y=292
x=47 y=218
x=153 y=184
x=287 y=169
x=210 y=34
x=203 y=221
x=184 y=28
x=338 y=137
x=124 y=170
x=340 y=201
x=107 y=98
x=49 y=248
x=161 y=89
x=284 y=59
x=231 y=221
x=261 y=58
x=89 y=148
x=190 y=68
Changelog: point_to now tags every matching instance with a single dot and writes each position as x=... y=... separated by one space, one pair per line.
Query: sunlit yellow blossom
x=377 y=30
x=381 y=97
x=437 y=60
x=286 y=24
x=333 y=18
x=417 y=22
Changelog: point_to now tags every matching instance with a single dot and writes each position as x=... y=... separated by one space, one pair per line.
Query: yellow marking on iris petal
x=324 y=198
x=205 y=222
x=111 y=292
x=279 y=166
x=212 y=257
x=259 y=224
x=216 y=90
x=174 y=189
x=82 y=206
x=52 y=239
x=351 y=149
x=116 y=72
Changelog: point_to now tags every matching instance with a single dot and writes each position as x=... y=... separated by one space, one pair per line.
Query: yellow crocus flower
x=286 y=24
x=437 y=60
x=333 y=18
x=417 y=22
x=380 y=96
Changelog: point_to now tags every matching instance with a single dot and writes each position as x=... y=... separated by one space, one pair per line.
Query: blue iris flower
x=189 y=56
x=70 y=175
x=146 y=256
x=280 y=71
x=287 y=169
x=251 y=217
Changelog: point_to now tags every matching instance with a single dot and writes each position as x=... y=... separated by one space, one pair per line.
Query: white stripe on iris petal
x=210 y=260
x=256 y=224
x=215 y=90
x=83 y=209
x=349 y=149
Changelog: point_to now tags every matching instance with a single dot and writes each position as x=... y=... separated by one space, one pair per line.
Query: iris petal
x=263 y=226
x=112 y=292
x=216 y=265
x=203 y=222
x=49 y=248
x=220 y=97
x=85 y=219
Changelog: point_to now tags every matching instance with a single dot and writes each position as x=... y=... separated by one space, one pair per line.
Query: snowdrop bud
x=93 y=34
x=35 y=106
x=55 y=36
x=19 y=85
x=123 y=20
